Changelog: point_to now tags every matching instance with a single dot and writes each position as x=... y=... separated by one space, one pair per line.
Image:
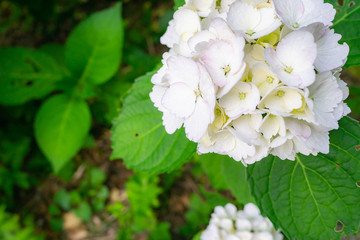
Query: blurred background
x=93 y=197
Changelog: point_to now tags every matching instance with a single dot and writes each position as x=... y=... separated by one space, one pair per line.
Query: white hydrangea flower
x=264 y=78
x=248 y=78
x=242 y=99
x=222 y=54
x=293 y=60
x=247 y=224
x=283 y=101
x=301 y=13
x=253 y=18
x=190 y=96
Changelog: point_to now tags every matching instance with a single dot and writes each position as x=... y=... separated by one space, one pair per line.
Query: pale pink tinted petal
x=289 y=11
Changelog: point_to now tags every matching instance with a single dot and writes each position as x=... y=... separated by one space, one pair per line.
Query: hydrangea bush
x=249 y=78
x=227 y=223
x=255 y=80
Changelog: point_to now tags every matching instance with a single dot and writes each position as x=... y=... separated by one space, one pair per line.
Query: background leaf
x=178 y=3
x=93 y=50
x=235 y=177
x=346 y=23
x=224 y=173
x=308 y=196
x=212 y=165
x=25 y=75
x=139 y=137
x=61 y=126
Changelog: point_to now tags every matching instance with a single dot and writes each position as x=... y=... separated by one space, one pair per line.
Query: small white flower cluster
x=229 y=224
x=248 y=78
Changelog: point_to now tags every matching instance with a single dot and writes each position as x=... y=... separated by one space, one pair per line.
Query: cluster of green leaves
x=17 y=161
x=89 y=198
x=11 y=229
x=71 y=75
x=138 y=215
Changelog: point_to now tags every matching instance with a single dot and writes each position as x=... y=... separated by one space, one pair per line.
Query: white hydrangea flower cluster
x=227 y=223
x=248 y=78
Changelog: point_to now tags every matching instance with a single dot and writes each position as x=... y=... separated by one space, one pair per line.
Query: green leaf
x=25 y=75
x=178 y=3
x=235 y=178
x=139 y=137
x=96 y=176
x=309 y=196
x=161 y=232
x=61 y=125
x=56 y=51
x=224 y=172
x=93 y=50
x=212 y=165
x=62 y=198
x=346 y=23
x=83 y=211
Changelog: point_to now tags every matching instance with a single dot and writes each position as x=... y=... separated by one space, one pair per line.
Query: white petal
x=179 y=99
x=170 y=37
x=243 y=18
x=156 y=96
x=183 y=70
x=285 y=151
x=290 y=11
x=187 y=23
x=224 y=143
x=197 y=124
x=171 y=122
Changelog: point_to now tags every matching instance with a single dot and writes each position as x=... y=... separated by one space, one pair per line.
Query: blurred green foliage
x=10 y=228
x=87 y=199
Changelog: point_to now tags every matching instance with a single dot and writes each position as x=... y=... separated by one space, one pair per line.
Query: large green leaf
x=308 y=197
x=139 y=137
x=347 y=23
x=61 y=125
x=93 y=50
x=25 y=75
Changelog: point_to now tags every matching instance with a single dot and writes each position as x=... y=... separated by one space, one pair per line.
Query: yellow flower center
x=250 y=32
x=270 y=79
x=242 y=96
x=288 y=69
x=280 y=93
x=295 y=25
x=227 y=69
